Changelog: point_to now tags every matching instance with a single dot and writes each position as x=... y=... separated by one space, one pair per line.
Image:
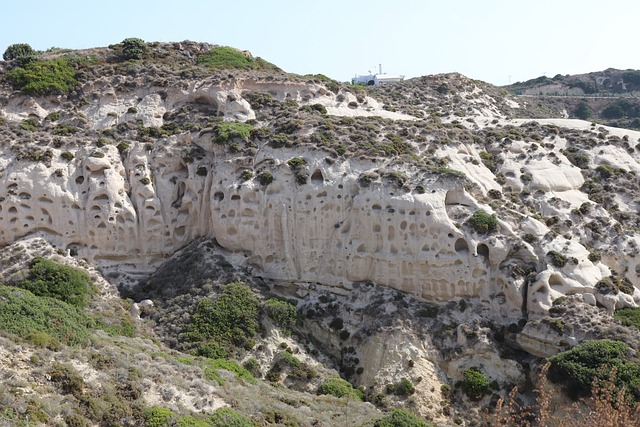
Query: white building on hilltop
x=377 y=79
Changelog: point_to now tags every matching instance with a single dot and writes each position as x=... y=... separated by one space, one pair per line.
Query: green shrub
x=212 y=350
x=583 y=110
x=231 y=319
x=296 y=163
x=265 y=178
x=62 y=129
x=319 y=108
x=134 y=48
x=580 y=160
x=44 y=77
x=159 y=417
x=530 y=238
x=557 y=259
x=283 y=313
x=43 y=339
x=227 y=417
x=301 y=178
x=252 y=365
x=212 y=367
x=122 y=146
x=402 y=418
x=225 y=57
x=614 y=284
x=628 y=317
x=190 y=421
x=115 y=325
x=577 y=368
x=24 y=314
x=51 y=279
x=67 y=378
x=475 y=384
x=230 y=130
x=404 y=388
x=340 y=388
x=595 y=256
x=483 y=222
x=67 y=155
x=30 y=125
x=286 y=358
x=17 y=50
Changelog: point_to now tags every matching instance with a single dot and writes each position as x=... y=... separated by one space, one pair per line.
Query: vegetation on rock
x=45 y=321
x=44 y=77
x=47 y=278
x=475 y=384
x=230 y=320
x=340 y=388
x=577 y=368
x=225 y=57
x=16 y=51
x=134 y=48
x=482 y=222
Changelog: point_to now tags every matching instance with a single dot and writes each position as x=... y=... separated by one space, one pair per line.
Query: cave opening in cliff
x=461 y=246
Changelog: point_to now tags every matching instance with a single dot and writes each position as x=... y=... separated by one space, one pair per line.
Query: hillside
x=298 y=251
x=610 y=97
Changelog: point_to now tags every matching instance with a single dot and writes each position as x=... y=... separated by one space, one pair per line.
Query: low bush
x=67 y=155
x=628 y=317
x=402 y=418
x=340 y=388
x=404 y=388
x=283 y=313
x=67 y=378
x=228 y=131
x=475 y=384
x=231 y=319
x=225 y=57
x=482 y=222
x=50 y=279
x=44 y=77
x=265 y=178
x=252 y=365
x=614 y=284
x=134 y=48
x=296 y=163
x=17 y=50
x=24 y=314
x=212 y=350
x=212 y=367
x=577 y=368
x=63 y=129
x=159 y=417
x=227 y=417
x=557 y=259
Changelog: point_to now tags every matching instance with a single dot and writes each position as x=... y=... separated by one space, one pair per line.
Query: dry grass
x=608 y=406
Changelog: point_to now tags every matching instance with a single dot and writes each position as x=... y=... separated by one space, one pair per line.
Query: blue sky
x=492 y=40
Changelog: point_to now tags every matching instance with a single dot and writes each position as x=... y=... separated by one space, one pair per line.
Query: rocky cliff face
x=335 y=220
x=304 y=182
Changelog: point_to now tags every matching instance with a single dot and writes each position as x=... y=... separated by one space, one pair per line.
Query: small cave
x=483 y=251
x=317 y=176
x=178 y=201
x=455 y=197
x=218 y=196
x=556 y=281
x=461 y=246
